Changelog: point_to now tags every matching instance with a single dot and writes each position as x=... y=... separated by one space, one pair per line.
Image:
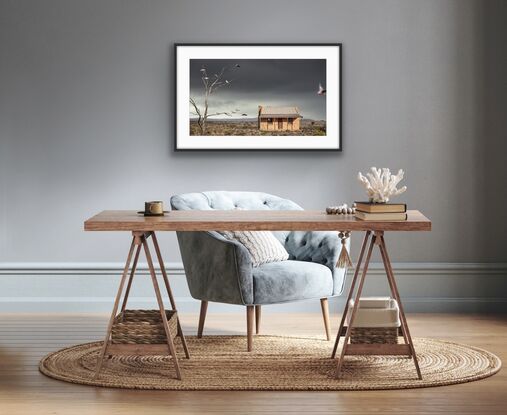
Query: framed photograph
x=258 y=97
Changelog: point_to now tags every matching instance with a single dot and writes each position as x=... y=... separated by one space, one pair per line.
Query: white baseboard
x=90 y=287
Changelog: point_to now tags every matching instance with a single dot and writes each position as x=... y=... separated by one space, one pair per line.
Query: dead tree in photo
x=211 y=85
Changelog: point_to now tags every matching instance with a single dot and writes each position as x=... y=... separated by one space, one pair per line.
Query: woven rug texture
x=276 y=363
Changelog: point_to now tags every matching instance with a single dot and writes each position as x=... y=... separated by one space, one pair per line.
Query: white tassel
x=344 y=260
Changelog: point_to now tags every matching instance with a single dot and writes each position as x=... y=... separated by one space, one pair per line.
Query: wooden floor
x=24 y=339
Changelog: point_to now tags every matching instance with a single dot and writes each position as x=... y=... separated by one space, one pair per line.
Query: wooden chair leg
x=257 y=319
x=324 y=305
x=249 y=326
x=202 y=317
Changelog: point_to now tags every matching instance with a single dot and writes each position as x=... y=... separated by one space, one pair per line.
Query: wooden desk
x=253 y=220
x=143 y=228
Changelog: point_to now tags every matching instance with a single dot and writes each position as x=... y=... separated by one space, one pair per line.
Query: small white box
x=374 y=302
x=388 y=315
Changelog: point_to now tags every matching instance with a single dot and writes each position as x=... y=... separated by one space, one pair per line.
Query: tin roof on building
x=270 y=112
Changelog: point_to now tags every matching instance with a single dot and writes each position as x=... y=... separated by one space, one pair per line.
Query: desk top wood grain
x=256 y=220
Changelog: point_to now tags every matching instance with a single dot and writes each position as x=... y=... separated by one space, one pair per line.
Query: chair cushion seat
x=279 y=282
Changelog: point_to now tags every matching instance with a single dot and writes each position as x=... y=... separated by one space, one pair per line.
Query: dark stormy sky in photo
x=267 y=82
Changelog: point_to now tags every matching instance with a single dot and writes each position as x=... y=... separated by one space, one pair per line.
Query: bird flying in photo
x=321 y=90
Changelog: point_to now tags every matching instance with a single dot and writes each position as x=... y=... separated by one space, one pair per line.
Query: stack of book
x=381 y=211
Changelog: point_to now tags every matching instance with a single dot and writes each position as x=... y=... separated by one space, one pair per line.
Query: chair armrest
x=217 y=269
x=321 y=248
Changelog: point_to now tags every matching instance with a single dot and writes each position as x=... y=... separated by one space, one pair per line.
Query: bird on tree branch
x=211 y=84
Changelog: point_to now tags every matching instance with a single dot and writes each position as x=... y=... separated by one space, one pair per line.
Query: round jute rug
x=277 y=363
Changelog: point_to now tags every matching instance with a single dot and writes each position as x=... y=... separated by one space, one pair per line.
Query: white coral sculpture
x=380 y=184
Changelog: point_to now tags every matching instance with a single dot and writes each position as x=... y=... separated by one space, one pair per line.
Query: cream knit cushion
x=262 y=246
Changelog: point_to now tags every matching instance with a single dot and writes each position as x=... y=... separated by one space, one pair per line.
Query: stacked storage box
x=377 y=320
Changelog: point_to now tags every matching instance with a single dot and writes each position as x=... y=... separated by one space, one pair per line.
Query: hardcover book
x=381 y=207
x=381 y=216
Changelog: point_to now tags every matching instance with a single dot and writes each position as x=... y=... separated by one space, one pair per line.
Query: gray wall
x=86 y=117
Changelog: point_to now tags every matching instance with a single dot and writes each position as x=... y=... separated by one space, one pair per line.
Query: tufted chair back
x=224 y=200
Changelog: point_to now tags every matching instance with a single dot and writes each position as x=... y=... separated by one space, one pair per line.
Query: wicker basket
x=374 y=335
x=143 y=327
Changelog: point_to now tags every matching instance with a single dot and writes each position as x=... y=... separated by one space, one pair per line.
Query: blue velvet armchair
x=220 y=270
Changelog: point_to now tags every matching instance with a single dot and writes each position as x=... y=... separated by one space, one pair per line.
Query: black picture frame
x=338 y=148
